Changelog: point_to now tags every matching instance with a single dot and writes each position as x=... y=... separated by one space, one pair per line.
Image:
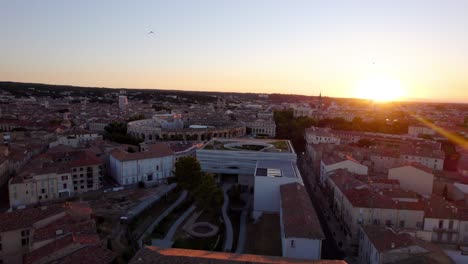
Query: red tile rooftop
x=299 y=217
x=89 y=254
x=151 y=254
x=156 y=150
x=416 y=165
x=437 y=207
x=385 y=239
x=366 y=198
x=25 y=218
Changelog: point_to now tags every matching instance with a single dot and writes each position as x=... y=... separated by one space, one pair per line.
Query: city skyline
x=410 y=50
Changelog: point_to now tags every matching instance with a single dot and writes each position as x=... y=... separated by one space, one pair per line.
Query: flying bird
x=151 y=32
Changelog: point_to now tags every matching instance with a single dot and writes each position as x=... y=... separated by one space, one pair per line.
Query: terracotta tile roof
x=25 y=218
x=367 y=198
x=90 y=254
x=85 y=158
x=437 y=207
x=79 y=241
x=416 y=165
x=151 y=254
x=299 y=217
x=46 y=250
x=67 y=225
x=385 y=239
x=156 y=150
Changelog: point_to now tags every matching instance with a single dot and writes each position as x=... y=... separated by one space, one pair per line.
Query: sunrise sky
x=370 y=49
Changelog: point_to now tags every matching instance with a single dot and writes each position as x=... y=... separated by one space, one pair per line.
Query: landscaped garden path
x=150 y=228
x=167 y=241
x=227 y=221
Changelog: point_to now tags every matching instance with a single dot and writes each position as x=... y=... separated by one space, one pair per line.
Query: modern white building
x=301 y=234
x=269 y=176
x=152 y=166
x=414 y=177
x=240 y=156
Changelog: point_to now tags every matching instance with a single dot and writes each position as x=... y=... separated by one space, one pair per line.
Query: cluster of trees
x=201 y=187
x=357 y=124
x=289 y=127
x=117 y=132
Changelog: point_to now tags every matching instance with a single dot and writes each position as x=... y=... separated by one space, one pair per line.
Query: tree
x=117 y=132
x=188 y=173
x=208 y=196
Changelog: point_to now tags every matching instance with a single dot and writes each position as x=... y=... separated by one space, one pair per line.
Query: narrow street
x=330 y=250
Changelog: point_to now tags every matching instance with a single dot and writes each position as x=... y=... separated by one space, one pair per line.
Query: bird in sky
x=151 y=32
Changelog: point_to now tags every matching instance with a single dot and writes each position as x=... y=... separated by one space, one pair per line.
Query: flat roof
x=276 y=168
x=246 y=144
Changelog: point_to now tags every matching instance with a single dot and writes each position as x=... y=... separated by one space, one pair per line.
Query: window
x=388 y=222
x=64 y=185
x=376 y=222
x=157 y=167
x=419 y=224
x=292 y=244
x=81 y=169
x=74 y=169
x=42 y=190
x=441 y=223
x=402 y=223
x=451 y=224
x=150 y=177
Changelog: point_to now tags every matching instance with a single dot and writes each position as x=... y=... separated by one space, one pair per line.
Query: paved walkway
x=167 y=241
x=243 y=227
x=150 y=228
x=227 y=221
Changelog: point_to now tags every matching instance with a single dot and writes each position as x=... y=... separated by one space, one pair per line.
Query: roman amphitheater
x=175 y=127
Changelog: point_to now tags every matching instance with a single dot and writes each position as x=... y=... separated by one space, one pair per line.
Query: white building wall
x=413 y=179
x=301 y=248
x=349 y=165
x=146 y=170
x=267 y=194
x=367 y=252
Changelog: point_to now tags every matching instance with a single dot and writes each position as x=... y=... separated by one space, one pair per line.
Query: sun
x=380 y=88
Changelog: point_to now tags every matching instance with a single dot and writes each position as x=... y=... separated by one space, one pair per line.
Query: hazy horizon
x=398 y=50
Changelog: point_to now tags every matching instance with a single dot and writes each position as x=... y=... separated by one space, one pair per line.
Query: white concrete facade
x=413 y=179
x=301 y=248
x=149 y=170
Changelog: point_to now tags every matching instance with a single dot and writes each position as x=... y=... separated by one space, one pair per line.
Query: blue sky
x=259 y=46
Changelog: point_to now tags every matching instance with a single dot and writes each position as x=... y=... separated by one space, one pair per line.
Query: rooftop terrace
x=253 y=145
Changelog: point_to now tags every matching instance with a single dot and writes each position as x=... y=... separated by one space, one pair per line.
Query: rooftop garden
x=260 y=145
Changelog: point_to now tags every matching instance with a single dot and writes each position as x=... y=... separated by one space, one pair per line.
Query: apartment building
x=59 y=173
